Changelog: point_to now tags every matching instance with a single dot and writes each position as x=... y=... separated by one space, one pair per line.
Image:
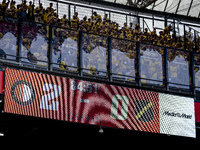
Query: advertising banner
x=53 y=97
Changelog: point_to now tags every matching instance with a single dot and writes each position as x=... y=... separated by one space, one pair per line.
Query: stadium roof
x=181 y=7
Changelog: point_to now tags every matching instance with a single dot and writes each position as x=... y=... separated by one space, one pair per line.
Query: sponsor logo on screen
x=180 y=115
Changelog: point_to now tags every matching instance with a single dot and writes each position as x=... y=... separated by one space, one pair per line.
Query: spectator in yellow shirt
x=74 y=22
x=30 y=15
x=12 y=5
x=106 y=17
x=63 y=66
x=96 y=16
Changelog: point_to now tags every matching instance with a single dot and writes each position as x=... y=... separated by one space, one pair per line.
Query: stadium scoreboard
x=60 y=98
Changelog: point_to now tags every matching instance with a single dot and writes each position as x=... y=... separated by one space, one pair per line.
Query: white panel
x=177 y=115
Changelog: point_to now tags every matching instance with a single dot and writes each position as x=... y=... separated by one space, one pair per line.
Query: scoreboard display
x=60 y=98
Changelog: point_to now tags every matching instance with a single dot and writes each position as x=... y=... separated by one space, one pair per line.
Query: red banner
x=1 y=81
x=197 y=112
x=40 y=95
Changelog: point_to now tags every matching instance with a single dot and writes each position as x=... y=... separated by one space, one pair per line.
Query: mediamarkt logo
x=173 y=114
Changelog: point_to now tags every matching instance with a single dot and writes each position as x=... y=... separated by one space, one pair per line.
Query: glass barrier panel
x=123 y=59
x=119 y=18
x=152 y=58
x=8 y=38
x=197 y=74
x=178 y=63
x=65 y=49
x=34 y=49
x=94 y=54
x=197 y=70
x=148 y=23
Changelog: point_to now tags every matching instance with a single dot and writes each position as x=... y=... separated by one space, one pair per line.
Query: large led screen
x=53 y=97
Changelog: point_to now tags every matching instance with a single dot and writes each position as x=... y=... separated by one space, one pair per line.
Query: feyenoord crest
x=22 y=93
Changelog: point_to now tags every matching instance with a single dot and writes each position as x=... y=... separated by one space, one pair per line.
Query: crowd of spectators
x=96 y=24
x=96 y=29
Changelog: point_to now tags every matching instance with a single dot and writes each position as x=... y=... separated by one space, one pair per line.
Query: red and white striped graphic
x=46 y=96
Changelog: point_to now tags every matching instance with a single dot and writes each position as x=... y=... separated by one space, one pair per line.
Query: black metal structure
x=177 y=70
x=187 y=8
x=179 y=81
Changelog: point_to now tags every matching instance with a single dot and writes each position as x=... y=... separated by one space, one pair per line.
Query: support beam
x=189 y=7
x=50 y=49
x=178 y=6
x=109 y=66
x=80 y=55
x=19 y=41
x=166 y=5
x=146 y=3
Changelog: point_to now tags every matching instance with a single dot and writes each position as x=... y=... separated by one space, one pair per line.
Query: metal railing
x=52 y=48
x=185 y=29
